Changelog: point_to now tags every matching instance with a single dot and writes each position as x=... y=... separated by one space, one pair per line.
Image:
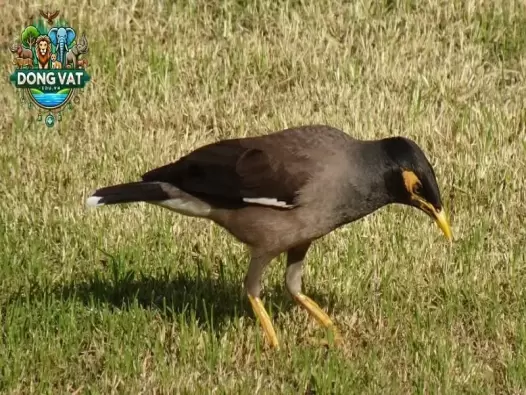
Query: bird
x=49 y=16
x=279 y=192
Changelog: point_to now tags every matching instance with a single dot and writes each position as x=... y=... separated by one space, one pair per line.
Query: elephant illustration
x=62 y=37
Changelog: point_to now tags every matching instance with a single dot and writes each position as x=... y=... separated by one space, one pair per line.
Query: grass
x=137 y=299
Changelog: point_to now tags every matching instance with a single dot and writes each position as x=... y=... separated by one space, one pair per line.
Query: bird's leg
x=258 y=263
x=295 y=258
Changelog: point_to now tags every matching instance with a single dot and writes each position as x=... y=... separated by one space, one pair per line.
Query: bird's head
x=412 y=181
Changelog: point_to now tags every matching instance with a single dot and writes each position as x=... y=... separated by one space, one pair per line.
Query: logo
x=50 y=66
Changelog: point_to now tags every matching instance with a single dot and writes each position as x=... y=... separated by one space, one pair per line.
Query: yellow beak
x=439 y=217
x=443 y=224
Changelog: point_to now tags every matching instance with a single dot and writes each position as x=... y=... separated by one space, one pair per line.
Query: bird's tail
x=128 y=193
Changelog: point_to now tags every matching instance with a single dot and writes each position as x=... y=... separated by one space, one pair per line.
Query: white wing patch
x=268 y=202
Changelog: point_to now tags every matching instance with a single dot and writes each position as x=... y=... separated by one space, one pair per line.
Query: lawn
x=137 y=299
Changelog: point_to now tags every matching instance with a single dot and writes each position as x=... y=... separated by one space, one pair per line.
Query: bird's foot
x=264 y=319
x=334 y=339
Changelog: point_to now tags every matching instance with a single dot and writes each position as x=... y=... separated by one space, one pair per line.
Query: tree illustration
x=29 y=36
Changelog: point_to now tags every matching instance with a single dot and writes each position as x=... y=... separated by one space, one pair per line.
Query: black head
x=411 y=179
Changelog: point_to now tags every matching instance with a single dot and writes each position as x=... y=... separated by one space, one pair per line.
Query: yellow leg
x=315 y=311
x=264 y=319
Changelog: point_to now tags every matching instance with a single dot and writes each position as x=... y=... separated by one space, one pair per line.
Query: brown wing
x=229 y=173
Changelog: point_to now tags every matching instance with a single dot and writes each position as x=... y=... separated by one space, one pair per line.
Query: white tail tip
x=93 y=201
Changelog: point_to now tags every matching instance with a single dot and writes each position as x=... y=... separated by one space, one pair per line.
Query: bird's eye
x=417 y=189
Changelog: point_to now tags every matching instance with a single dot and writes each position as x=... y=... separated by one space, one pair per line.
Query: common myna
x=279 y=192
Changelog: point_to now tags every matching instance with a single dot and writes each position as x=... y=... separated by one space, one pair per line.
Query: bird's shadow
x=209 y=300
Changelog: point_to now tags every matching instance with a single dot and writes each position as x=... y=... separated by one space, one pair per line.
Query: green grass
x=136 y=299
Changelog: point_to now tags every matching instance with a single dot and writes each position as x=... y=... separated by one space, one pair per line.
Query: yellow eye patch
x=411 y=181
